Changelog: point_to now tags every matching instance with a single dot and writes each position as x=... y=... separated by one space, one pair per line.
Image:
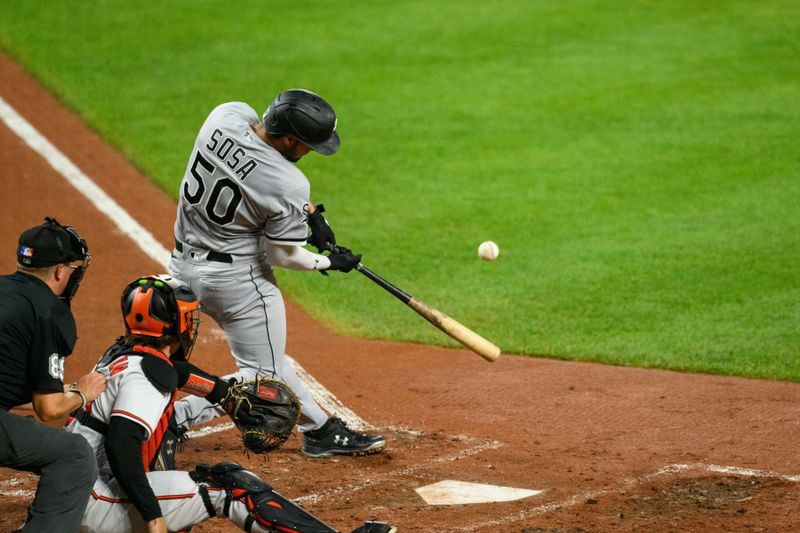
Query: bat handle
x=388 y=287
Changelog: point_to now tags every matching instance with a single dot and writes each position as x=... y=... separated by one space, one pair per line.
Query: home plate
x=451 y=492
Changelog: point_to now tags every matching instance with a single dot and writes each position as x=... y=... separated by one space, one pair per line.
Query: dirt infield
x=612 y=449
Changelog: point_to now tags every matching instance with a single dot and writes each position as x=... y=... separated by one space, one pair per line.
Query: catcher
x=126 y=423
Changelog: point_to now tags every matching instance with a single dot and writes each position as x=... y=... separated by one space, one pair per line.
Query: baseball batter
x=124 y=426
x=245 y=207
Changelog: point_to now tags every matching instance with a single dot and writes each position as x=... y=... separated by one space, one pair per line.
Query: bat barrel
x=448 y=325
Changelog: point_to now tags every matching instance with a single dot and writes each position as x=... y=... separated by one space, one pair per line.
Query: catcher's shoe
x=375 y=527
x=335 y=438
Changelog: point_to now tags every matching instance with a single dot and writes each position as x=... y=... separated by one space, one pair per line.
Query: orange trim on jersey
x=131 y=415
x=123 y=500
x=118 y=365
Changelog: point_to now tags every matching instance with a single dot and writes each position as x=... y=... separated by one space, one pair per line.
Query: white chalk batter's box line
x=6 y=489
x=626 y=484
x=476 y=446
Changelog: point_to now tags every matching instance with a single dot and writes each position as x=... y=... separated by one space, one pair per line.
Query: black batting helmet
x=307 y=117
x=154 y=306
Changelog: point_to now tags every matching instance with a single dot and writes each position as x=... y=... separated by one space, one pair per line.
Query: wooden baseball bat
x=453 y=328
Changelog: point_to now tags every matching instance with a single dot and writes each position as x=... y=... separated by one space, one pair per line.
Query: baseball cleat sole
x=312 y=451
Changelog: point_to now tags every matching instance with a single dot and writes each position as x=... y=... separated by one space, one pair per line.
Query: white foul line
x=142 y=238
x=89 y=189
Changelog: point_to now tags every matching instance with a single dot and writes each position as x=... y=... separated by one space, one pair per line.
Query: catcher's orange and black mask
x=160 y=305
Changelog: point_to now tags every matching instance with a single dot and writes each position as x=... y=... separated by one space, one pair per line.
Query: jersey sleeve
x=139 y=401
x=242 y=109
x=288 y=224
x=53 y=339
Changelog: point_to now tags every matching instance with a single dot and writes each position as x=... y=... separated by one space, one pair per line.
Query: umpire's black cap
x=50 y=244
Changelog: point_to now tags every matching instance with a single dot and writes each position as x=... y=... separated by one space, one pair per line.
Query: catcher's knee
x=264 y=506
x=229 y=476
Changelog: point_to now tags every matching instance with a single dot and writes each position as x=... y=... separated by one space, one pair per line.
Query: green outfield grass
x=636 y=161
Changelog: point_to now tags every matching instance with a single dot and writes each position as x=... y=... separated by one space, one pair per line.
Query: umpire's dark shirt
x=37 y=331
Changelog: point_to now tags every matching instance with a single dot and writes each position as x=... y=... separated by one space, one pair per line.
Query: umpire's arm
x=52 y=405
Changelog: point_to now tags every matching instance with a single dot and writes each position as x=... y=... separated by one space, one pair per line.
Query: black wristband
x=219 y=392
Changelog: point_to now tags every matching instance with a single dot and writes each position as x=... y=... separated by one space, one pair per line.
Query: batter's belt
x=219 y=257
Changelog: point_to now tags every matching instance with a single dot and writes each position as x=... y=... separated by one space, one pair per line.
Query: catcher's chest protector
x=159 y=371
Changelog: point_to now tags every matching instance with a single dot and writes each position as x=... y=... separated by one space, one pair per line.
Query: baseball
x=488 y=251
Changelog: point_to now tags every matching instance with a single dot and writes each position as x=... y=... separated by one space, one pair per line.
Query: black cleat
x=335 y=438
x=375 y=527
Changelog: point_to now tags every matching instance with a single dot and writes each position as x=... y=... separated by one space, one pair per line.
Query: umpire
x=37 y=332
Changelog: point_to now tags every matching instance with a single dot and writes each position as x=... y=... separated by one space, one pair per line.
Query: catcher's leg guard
x=262 y=505
x=375 y=527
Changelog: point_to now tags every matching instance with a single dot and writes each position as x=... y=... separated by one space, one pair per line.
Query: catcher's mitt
x=265 y=410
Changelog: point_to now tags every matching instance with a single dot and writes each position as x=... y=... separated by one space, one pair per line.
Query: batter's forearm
x=296 y=258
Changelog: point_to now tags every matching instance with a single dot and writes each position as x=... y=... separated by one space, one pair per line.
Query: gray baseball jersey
x=239 y=194
x=238 y=191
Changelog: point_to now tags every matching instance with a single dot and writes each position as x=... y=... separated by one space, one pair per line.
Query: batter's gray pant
x=244 y=299
x=66 y=466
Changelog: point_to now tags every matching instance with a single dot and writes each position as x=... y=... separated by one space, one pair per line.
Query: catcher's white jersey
x=238 y=191
x=130 y=394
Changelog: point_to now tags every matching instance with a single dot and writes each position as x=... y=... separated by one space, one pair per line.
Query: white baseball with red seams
x=488 y=250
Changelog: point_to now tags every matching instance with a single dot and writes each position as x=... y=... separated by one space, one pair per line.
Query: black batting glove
x=322 y=237
x=336 y=250
x=341 y=250
x=344 y=261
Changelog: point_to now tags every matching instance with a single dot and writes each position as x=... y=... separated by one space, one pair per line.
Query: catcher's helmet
x=306 y=116
x=160 y=305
